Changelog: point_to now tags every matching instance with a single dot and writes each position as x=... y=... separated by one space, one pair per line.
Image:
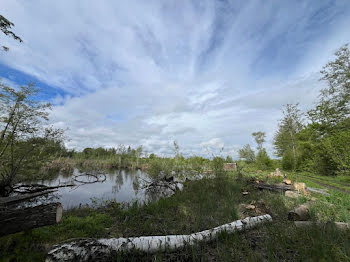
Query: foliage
x=285 y=140
x=217 y=166
x=263 y=160
x=323 y=144
x=26 y=142
x=259 y=138
x=334 y=104
x=288 y=160
x=247 y=153
x=5 y=27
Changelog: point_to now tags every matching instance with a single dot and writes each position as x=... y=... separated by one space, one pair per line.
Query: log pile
x=104 y=249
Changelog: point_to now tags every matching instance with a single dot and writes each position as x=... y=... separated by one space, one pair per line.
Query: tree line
x=317 y=140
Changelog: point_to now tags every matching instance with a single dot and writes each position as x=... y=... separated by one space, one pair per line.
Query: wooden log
x=16 y=220
x=307 y=224
x=103 y=249
x=300 y=213
x=274 y=187
x=318 y=190
x=7 y=201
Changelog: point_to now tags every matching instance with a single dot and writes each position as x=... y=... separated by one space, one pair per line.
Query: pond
x=119 y=185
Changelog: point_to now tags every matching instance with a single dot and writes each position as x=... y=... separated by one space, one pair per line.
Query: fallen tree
x=20 y=219
x=104 y=249
x=13 y=200
x=308 y=224
x=271 y=187
x=318 y=190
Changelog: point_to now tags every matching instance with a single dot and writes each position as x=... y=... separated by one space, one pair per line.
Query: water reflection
x=120 y=185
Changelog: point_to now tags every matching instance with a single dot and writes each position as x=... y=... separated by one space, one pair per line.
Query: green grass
x=201 y=205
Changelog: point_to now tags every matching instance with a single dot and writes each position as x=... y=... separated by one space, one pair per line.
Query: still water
x=119 y=185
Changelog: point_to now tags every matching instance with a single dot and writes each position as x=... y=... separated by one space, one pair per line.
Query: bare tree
x=5 y=26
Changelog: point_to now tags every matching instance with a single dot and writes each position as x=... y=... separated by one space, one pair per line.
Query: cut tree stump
x=291 y=194
x=20 y=219
x=300 y=213
x=105 y=249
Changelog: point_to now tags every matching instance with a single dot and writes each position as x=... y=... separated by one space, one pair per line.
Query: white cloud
x=150 y=72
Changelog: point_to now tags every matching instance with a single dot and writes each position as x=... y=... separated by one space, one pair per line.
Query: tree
x=247 y=153
x=228 y=159
x=5 y=26
x=177 y=152
x=334 y=104
x=289 y=126
x=263 y=160
x=259 y=138
x=330 y=119
x=25 y=141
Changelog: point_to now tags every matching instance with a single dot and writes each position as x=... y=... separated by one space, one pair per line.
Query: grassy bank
x=201 y=205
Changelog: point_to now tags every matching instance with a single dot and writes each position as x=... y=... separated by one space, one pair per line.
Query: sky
x=204 y=73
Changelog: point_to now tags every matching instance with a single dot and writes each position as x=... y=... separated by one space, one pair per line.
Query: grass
x=201 y=205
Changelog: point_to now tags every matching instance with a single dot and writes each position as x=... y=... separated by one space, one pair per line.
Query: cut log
x=306 y=224
x=16 y=220
x=300 y=213
x=318 y=190
x=300 y=187
x=291 y=194
x=7 y=201
x=103 y=249
x=273 y=187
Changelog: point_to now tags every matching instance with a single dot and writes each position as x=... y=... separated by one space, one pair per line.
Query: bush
x=263 y=160
x=288 y=162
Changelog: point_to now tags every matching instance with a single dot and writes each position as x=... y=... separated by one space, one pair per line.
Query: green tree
x=259 y=139
x=330 y=118
x=285 y=140
x=247 y=153
x=228 y=159
x=25 y=142
x=263 y=160
x=217 y=165
x=334 y=104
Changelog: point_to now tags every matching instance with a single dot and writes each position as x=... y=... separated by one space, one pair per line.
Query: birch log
x=103 y=249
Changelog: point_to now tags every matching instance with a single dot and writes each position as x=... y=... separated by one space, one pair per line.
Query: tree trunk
x=16 y=220
x=274 y=187
x=105 y=249
x=7 y=201
x=308 y=224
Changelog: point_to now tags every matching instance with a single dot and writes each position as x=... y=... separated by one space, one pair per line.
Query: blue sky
x=205 y=73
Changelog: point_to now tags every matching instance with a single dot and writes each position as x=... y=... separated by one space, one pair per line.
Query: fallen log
x=300 y=213
x=318 y=190
x=16 y=220
x=34 y=188
x=273 y=187
x=308 y=224
x=103 y=249
x=6 y=201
